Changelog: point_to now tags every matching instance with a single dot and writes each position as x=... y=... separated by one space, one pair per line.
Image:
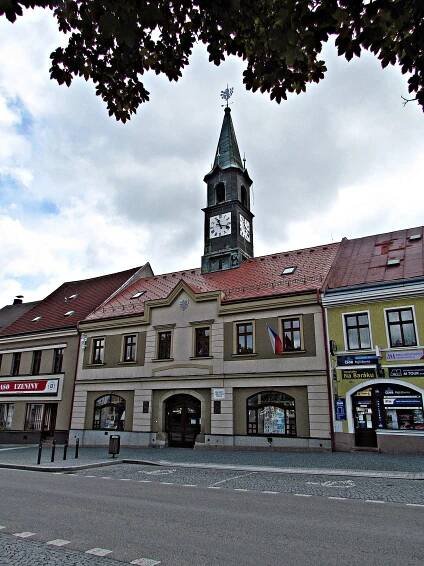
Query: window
x=164 y=345
x=109 y=413
x=288 y=270
x=220 y=192
x=98 y=351
x=36 y=319
x=34 y=416
x=137 y=294
x=244 y=338
x=16 y=362
x=401 y=327
x=217 y=407
x=69 y=313
x=6 y=415
x=292 y=334
x=357 y=331
x=130 y=343
x=36 y=362
x=271 y=413
x=201 y=342
x=57 y=360
x=243 y=196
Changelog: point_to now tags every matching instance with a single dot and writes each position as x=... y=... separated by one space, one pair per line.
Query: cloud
x=82 y=195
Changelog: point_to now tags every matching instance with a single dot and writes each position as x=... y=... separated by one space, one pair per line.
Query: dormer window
x=71 y=297
x=220 y=193
x=289 y=270
x=414 y=237
x=36 y=319
x=69 y=313
x=393 y=262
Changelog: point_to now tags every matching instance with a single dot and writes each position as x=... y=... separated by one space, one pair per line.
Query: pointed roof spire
x=227 y=153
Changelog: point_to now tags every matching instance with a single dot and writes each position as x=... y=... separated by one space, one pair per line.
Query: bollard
x=76 y=447
x=40 y=449
x=65 y=449
x=53 y=450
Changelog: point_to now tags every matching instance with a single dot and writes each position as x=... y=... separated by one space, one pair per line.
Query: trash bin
x=114 y=444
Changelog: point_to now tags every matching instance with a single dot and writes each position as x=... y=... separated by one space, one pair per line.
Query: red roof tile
x=255 y=278
x=364 y=260
x=78 y=296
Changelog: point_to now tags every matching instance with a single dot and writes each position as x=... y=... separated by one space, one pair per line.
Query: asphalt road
x=154 y=519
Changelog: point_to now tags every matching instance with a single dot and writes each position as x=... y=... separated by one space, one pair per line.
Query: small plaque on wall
x=218 y=394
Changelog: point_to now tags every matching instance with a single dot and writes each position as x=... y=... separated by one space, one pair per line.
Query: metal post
x=40 y=449
x=65 y=449
x=53 y=450
x=76 y=447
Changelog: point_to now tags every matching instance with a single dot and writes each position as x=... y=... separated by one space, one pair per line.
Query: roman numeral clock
x=228 y=234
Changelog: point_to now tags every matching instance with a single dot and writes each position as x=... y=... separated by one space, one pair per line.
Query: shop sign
x=411 y=401
x=405 y=355
x=359 y=360
x=411 y=371
x=218 y=394
x=30 y=387
x=341 y=409
x=358 y=374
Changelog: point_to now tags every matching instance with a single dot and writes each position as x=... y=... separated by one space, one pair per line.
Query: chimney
x=18 y=300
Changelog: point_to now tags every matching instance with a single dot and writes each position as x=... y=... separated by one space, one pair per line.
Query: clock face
x=244 y=228
x=220 y=225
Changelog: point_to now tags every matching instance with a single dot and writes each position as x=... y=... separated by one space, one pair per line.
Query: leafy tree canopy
x=114 y=42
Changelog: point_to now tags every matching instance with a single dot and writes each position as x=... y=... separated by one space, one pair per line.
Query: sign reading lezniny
x=30 y=387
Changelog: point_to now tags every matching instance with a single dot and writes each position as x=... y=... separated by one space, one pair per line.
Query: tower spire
x=227 y=153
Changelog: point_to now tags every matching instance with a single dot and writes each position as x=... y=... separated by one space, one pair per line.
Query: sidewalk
x=366 y=464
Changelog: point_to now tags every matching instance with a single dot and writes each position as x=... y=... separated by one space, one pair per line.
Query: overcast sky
x=82 y=195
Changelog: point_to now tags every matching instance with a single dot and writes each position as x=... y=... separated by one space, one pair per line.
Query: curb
x=41 y=468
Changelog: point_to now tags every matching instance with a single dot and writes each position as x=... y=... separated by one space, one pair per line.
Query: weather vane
x=227 y=94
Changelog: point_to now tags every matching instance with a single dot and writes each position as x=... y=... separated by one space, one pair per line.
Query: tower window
x=243 y=196
x=220 y=192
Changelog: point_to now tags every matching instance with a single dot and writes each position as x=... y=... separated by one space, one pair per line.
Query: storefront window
x=109 y=413
x=6 y=415
x=34 y=416
x=271 y=413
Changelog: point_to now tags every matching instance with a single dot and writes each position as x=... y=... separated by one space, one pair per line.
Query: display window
x=271 y=413
x=109 y=413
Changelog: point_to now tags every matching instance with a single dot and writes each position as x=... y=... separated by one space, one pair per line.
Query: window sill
x=162 y=360
x=291 y=352
x=129 y=363
x=201 y=357
x=252 y=355
x=94 y=365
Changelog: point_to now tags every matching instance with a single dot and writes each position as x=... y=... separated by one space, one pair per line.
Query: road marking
x=98 y=551
x=2 y=527
x=91 y=476
x=105 y=477
x=239 y=489
x=408 y=505
x=145 y=562
x=166 y=483
x=374 y=501
x=271 y=492
x=23 y=535
x=124 y=479
x=144 y=481
x=58 y=473
x=339 y=498
x=189 y=485
x=58 y=542
x=157 y=472
x=341 y=484
x=214 y=487
x=234 y=478
x=302 y=495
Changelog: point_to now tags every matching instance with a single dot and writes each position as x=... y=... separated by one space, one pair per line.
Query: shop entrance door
x=49 y=420
x=365 y=435
x=183 y=417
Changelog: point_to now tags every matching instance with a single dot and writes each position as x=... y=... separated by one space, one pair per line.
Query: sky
x=82 y=195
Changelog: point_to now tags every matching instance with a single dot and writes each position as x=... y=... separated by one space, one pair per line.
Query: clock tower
x=228 y=219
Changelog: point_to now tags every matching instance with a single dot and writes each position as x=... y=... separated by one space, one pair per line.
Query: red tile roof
x=364 y=260
x=255 y=278
x=78 y=296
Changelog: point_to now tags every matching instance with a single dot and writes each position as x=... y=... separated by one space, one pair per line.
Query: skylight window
x=71 y=297
x=138 y=294
x=69 y=313
x=36 y=319
x=289 y=270
x=414 y=237
x=392 y=262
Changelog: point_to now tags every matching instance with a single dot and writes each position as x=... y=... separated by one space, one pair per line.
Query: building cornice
x=373 y=293
x=41 y=336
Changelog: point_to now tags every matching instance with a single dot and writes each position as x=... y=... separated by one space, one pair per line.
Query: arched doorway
x=385 y=406
x=182 y=420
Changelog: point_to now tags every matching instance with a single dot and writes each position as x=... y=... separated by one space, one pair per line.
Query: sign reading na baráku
x=358 y=374
x=30 y=387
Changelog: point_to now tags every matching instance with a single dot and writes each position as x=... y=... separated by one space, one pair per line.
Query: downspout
x=328 y=371
x=75 y=379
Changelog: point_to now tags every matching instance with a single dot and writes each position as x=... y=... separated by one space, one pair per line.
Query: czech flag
x=276 y=342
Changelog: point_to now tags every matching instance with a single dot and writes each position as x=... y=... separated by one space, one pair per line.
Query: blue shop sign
x=359 y=360
x=340 y=409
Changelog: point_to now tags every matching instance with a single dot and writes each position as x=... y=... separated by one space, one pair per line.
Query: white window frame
x=346 y=343
x=414 y=316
